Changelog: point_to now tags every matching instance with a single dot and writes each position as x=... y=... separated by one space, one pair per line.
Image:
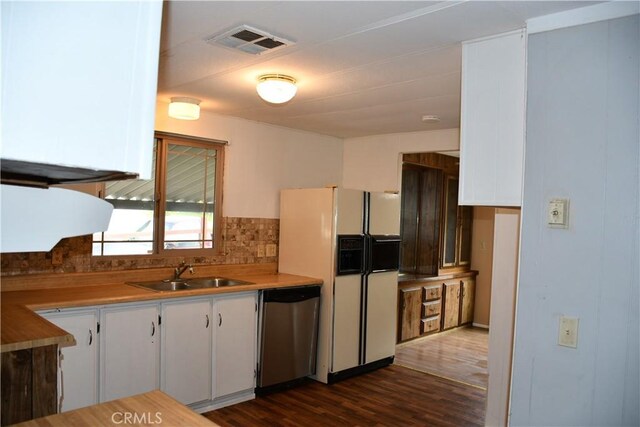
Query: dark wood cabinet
x=467 y=300
x=420 y=222
x=29 y=384
x=458 y=220
x=435 y=229
x=451 y=304
x=433 y=304
x=410 y=313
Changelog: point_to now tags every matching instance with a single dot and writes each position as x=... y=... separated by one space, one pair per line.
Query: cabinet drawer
x=431 y=292
x=431 y=308
x=430 y=324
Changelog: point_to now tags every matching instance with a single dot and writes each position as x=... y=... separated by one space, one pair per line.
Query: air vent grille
x=249 y=40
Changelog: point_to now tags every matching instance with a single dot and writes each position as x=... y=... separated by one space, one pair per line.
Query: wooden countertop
x=149 y=409
x=417 y=279
x=21 y=328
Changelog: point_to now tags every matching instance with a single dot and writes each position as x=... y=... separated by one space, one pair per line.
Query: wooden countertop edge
x=430 y=279
x=20 y=306
x=158 y=408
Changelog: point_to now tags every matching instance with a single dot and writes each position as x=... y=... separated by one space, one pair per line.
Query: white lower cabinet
x=78 y=369
x=235 y=343
x=186 y=350
x=129 y=350
x=199 y=350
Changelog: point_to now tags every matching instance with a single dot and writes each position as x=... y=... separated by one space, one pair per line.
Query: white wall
x=582 y=144
x=262 y=159
x=374 y=163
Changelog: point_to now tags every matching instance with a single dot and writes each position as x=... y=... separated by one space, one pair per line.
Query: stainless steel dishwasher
x=289 y=336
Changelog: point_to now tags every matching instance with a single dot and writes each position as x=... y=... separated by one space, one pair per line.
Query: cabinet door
x=492 y=120
x=129 y=350
x=409 y=218
x=235 y=344
x=465 y=226
x=468 y=300
x=186 y=347
x=451 y=315
x=80 y=94
x=78 y=375
x=410 y=307
x=420 y=232
x=450 y=232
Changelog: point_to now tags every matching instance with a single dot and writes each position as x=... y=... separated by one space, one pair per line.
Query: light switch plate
x=558 y=213
x=568 y=332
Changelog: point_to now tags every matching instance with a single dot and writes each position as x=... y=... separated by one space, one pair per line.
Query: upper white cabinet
x=492 y=125
x=79 y=83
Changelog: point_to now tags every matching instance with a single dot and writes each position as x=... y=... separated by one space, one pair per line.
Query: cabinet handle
x=153 y=328
x=219 y=319
x=207 y=321
x=90 y=336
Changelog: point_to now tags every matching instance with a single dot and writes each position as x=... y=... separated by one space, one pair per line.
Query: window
x=178 y=210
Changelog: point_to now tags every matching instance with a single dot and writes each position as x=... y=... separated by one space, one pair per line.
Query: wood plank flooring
x=391 y=396
x=459 y=354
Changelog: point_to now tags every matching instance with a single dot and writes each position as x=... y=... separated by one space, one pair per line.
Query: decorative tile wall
x=243 y=239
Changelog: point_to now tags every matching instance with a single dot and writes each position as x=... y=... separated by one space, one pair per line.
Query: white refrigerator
x=349 y=239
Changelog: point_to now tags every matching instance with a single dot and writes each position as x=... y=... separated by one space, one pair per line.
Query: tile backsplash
x=243 y=239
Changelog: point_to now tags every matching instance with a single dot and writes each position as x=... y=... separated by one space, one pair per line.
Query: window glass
x=131 y=228
x=183 y=217
x=190 y=189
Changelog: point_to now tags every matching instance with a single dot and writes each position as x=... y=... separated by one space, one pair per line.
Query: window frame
x=162 y=140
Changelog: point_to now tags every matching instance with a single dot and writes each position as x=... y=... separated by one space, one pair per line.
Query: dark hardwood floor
x=391 y=396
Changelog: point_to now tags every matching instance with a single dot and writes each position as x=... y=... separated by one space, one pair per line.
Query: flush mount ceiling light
x=184 y=108
x=276 y=88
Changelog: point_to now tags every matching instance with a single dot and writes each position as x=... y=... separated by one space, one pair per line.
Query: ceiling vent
x=249 y=40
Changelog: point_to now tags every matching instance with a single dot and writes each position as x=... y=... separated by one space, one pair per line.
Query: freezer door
x=382 y=294
x=346 y=322
x=384 y=214
x=350 y=211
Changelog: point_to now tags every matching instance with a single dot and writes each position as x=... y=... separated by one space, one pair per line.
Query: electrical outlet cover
x=558 y=213
x=568 y=332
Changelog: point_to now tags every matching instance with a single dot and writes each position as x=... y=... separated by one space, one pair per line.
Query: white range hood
x=34 y=219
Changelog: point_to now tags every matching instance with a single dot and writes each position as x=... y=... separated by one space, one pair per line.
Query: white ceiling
x=363 y=67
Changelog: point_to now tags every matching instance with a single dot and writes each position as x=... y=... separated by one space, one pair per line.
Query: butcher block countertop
x=149 y=409
x=21 y=328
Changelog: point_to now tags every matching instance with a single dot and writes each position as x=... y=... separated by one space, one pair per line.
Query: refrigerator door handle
x=368 y=254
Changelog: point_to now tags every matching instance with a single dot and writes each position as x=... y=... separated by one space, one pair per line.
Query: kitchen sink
x=215 y=282
x=185 y=285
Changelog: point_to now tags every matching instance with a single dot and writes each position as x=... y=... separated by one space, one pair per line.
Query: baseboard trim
x=232 y=399
x=480 y=325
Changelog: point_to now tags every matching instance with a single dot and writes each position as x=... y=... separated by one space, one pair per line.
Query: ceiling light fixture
x=184 y=108
x=276 y=88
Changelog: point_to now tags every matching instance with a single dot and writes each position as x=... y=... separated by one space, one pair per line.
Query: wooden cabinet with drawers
x=434 y=304
x=419 y=310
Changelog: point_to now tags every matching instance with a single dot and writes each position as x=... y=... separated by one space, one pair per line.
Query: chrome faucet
x=177 y=272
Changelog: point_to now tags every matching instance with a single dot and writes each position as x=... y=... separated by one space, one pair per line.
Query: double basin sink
x=190 y=284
